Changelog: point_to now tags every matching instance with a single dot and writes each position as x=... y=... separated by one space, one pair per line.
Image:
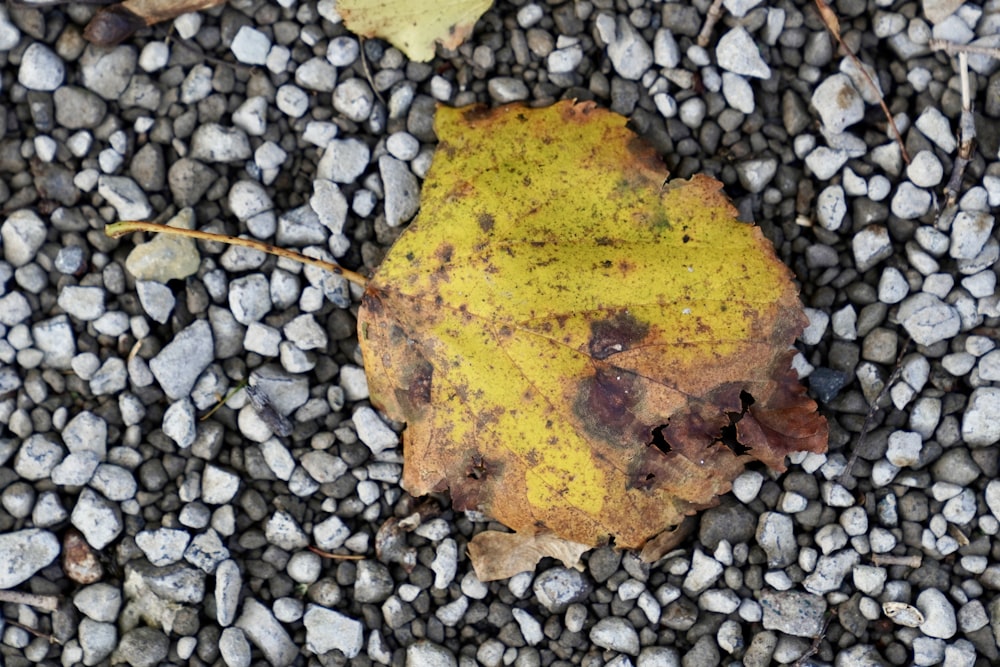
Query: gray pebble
x=342 y=51
x=738 y=92
x=402 y=191
x=23 y=233
x=969 y=234
x=328 y=630
x=755 y=174
x=666 y=53
x=107 y=72
x=892 y=286
x=939 y=614
x=218 y=486
x=197 y=85
x=178 y=364
x=629 y=53
x=35 y=550
x=180 y=423
x=235 y=648
x=831 y=207
x=910 y=202
x=156 y=298
x=937 y=127
x=77 y=108
x=505 y=89
x=736 y=52
x=97 y=640
x=250 y=46
x=557 y=588
x=142 y=647
x=100 y=602
x=615 y=634
x=343 y=161
x=126 y=196
x=319 y=75
x=251 y=116
x=980 y=428
x=354 y=98
x=425 y=653
x=925 y=170
x=41 y=69
x=445 y=563
x=114 y=482
x=212 y=142
x=704 y=572
x=794 y=613
x=838 y=103
x=775 y=535
x=928 y=319
x=824 y=162
x=292 y=100
x=163 y=546
x=95 y=517
x=76 y=469
x=830 y=572
x=871 y=245
x=264 y=630
x=372 y=431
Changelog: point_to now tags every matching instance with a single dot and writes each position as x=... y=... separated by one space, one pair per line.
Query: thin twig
x=38 y=633
x=368 y=72
x=833 y=25
x=953 y=48
x=128 y=226
x=872 y=410
x=914 y=561
x=966 y=134
x=327 y=554
x=817 y=641
x=714 y=14
x=43 y=602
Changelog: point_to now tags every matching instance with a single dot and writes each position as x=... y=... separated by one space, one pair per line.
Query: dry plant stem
x=966 y=133
x=367 y=70
x=714 y=14
x=833 y=25
x=817 y=640
x=30 y=630
x=953 y=48
x=913 y=561
x=43 y=602
x=327 y=554
x=872 y=410
x=127 y=227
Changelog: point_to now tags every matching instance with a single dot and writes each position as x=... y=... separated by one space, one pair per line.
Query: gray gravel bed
x=161 y=538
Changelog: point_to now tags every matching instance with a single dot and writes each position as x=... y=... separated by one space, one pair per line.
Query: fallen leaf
x=576 y=344
x=116 y=23
x=414 y=26
x=497 y=555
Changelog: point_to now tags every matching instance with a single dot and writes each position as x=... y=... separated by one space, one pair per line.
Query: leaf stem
x=128 y=226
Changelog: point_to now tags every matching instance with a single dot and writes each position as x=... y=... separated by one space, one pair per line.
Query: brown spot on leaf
x=445 y=252
x=614 y=335
x=486 y=222
x=605 y=402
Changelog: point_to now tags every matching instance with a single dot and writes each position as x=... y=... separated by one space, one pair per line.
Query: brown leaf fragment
x=497 y=555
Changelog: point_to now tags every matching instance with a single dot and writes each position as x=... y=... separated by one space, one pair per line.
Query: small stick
x=714 y=14
x=966 y=133
x=833 y=25
x=368 y=72
x=953 y=48
x=817 y=640
x=43 y=602
x=327 y=554
x=872 y=409
x=128 y=226
x=914 y=561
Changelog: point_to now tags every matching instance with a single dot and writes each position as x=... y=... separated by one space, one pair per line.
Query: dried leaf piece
x=497 y=555
x=576 y=345
x=116 y=23
x=414 y=26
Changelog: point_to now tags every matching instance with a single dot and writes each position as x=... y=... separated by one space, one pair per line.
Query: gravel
x=275 y=122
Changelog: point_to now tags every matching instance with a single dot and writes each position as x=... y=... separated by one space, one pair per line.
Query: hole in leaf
x=659 y=441
x=650 y=477
x=728 y=434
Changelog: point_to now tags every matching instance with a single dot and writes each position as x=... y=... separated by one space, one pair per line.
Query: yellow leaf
x=576 y=344
x=414 y=26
